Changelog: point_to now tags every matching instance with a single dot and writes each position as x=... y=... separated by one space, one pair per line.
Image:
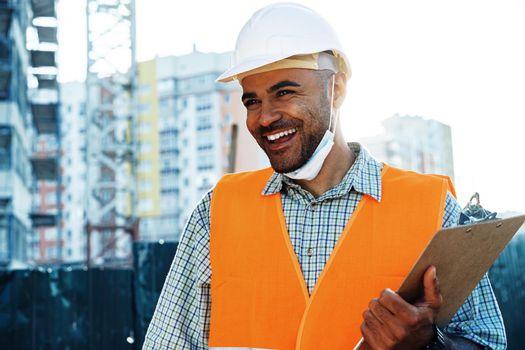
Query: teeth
x=281 y=134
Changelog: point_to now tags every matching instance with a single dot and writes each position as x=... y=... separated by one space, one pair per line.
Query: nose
x=268 y=114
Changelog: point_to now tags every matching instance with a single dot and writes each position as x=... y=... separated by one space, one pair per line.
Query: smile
x=278 y=135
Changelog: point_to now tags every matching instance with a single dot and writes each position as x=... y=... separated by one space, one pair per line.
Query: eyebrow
x=282 y=84
x=272 y=88
x=248 y=95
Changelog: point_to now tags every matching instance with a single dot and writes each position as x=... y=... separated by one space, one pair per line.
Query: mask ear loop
x=332 y=107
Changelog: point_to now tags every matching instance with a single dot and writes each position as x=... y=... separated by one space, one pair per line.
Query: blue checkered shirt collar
x=364 y=176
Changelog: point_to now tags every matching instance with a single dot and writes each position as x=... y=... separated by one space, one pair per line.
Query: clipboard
x=461 y=255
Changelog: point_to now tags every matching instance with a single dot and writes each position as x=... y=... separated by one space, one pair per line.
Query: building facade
x=414 y=143
x=73 y=131
x=191 y=130
x=16 y=132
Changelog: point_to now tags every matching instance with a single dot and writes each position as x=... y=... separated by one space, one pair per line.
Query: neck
x=335 y=167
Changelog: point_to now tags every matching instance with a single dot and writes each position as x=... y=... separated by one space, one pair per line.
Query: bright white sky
x=461 y=62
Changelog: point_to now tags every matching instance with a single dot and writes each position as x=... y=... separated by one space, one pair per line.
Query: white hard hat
x=280 y=31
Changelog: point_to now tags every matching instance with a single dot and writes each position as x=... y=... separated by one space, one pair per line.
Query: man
x=307 y=254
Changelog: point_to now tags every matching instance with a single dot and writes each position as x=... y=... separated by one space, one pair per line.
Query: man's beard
x=307 y=142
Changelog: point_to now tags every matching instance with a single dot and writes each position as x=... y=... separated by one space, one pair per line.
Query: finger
x=370 y=341
x=397 y=305
x=380 y=312
x=363 y=346
x=374 y=333
x=396 y=330
x=432 y=295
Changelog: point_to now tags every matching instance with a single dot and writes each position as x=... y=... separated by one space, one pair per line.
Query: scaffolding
x=111 y=224
x=6 y=17
x=45 y=160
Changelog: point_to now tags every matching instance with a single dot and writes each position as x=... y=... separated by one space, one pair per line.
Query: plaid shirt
x=182 y=316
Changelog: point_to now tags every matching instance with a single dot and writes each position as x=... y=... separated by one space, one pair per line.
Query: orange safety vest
x=259 y=296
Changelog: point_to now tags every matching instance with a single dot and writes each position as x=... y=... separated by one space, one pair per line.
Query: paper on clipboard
x=461 y=255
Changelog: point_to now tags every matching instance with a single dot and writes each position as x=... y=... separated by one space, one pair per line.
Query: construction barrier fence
x=110 y=309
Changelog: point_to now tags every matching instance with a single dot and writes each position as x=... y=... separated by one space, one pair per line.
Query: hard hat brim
x=247 y=66
x=260 y=61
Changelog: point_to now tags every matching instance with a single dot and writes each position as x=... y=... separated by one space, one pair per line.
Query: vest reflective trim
x=259 y=297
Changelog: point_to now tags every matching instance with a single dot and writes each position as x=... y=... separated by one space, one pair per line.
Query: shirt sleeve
x=182 y=316
x=479 y=318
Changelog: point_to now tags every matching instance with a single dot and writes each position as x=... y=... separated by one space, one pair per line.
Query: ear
x=339 y=89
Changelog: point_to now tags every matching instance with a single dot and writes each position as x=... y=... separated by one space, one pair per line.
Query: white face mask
x=312 y=167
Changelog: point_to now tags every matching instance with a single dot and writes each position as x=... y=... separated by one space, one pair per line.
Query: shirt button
x=313 y=206
x=310 y=252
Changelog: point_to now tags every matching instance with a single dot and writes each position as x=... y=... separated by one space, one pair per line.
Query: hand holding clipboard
x=461 y=255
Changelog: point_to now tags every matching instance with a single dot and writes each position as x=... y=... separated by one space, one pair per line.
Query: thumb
x=432 y=295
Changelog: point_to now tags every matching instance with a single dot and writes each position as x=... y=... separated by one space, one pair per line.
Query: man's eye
x=250 y=103
x=284 y=92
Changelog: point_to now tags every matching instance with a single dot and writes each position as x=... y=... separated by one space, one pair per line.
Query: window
x=52 y=253
x=145 y=147
x=144 y=108
x=227 y=138
x=51 y=198
x=51 y=234
x=207 y=167
x=167 y=171
x=145 y=205
x=20 y=160
x=173 y=190
x=166 y=85
x=5 y=148
x=206 y=162
x=168 y=201
x=82 y=108
x=144 y=127
x=168 y=180
x=227 y=120
x=169 y=163
x=205 y=185
x=204 y=122
x=203 y=102
x=205 y=147
x=166 y=107
x=145 y=185
x=206 y=140
x=169 y=133
x=144 y=89
x=169 y=152
x=144 y=166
